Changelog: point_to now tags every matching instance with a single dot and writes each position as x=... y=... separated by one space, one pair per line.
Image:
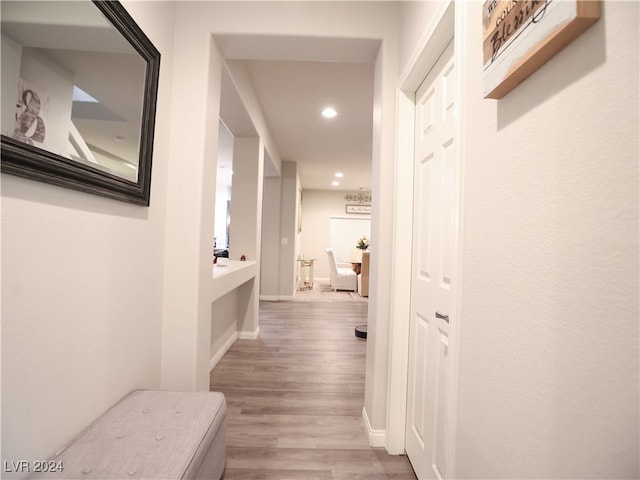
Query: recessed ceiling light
x=329 y=112
x=339 y=174
x=335 y=183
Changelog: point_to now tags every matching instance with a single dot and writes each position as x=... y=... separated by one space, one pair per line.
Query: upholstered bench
x=150 y=435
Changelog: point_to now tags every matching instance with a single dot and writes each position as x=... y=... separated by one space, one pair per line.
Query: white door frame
x=448 y=20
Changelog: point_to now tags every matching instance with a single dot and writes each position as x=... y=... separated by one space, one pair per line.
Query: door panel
x=435 y=184
x=424 y=175
x=447 y=225
x=421 y=337
x=441 y=395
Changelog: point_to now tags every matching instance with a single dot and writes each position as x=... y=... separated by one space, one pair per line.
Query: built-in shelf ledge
x=231 y=276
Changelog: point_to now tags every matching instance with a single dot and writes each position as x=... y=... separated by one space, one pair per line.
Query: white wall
x=223 y=196
x=317 y=207
x=549 y=351
x=414 y=18
x=11 y=55
x=270 y=254
x=224 y=178
x=382 y=217
x=344 y=236
x=246 y=206
x=81 y=291
x=191 y=186
x=224 y=330
x=548 y=373
x=242 y=83
x=289 y=235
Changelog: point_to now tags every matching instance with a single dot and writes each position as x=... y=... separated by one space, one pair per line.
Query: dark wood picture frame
x=31 y=162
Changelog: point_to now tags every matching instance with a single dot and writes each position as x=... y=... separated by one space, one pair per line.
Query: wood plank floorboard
x=295 y=397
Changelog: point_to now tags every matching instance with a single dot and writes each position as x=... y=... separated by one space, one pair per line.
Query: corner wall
x=81 y=291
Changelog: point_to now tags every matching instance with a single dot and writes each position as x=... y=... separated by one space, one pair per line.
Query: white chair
x=342 y=276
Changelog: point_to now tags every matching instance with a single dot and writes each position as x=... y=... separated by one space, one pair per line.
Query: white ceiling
x=292 y=96
x=294 y=79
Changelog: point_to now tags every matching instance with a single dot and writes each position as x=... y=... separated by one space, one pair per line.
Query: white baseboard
x=377 y=438
x=222 y=350
x=284 y=298
x=249 y=335
x=275 y=298
x=269 y=298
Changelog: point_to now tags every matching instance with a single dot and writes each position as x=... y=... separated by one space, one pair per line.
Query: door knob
x=443 y=317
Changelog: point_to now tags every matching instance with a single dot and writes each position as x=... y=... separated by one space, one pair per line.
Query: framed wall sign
x=519 y=36
x=358 y=209
x=359 y=198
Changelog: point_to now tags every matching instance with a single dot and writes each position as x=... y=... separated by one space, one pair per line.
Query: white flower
x=363 y=243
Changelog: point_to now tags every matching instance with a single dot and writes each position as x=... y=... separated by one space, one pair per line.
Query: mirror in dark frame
x=79 y=88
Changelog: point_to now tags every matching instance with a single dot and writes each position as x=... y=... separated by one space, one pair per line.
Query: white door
x=435 y=196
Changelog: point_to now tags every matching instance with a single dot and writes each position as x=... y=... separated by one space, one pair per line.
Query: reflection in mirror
x=79 y=88
x=71 y=84
x=224 y=173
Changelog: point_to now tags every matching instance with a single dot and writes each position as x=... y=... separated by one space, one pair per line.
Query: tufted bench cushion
x=151 y=435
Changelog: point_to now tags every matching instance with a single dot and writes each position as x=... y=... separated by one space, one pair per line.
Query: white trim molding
x=220 y=353
x=377 y=438
x=435 y=39
x=448 y=23
x=249 y=335
x=276 y=298
x=269 y=298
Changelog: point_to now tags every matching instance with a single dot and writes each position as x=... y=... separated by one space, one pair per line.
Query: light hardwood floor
x=295 y=398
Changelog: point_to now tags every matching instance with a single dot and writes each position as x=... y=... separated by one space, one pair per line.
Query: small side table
x=306 y=274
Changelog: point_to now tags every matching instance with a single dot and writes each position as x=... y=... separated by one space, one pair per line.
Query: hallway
x=295 y=397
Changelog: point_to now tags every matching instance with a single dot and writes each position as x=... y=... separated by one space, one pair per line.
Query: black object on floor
x=361 y=331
